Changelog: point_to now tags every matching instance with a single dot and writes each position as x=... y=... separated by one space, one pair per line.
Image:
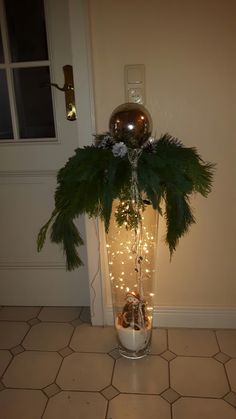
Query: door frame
x=83 y=79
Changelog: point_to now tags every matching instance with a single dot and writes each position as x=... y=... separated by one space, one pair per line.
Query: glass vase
x=132 y=261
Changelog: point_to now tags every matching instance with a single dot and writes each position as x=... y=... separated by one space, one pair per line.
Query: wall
x=188 y=48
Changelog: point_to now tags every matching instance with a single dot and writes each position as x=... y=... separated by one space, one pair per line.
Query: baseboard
x=198 y=317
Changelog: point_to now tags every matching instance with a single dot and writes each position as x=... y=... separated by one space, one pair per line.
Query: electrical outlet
x=135 y=83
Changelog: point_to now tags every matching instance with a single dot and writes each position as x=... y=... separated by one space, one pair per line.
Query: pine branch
x=64 y=232
x=93 y=178
x=43 y=232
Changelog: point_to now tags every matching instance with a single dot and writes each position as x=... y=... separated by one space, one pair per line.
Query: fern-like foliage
x=168 y=173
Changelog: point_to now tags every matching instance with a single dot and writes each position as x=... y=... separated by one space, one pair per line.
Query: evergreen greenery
x=168 y=173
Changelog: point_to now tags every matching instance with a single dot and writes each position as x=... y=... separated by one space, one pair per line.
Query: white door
x=28 y=166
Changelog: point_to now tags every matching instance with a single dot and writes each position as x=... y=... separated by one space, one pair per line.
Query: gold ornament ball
x=131 y=123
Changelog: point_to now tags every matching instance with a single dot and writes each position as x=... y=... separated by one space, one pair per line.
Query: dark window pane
x=26 y=28
x=5 y=114
x=34 y=102
x=1 y=49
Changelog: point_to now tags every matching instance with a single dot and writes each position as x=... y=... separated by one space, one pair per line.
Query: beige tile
x=88 y=372
x=146 y=375
x=203 y=377
x=221 y=357
x=32 y=370
x=12 y=333
x=17 y=350
x=186 y=408
x=48 y=336
x=159 y=341
x=19 y=313
x=5 y=358
x=110 y=392
x=227 y=341
x=59 y=314
x=231 y=398
x=231 y=371
x=130 y=406
x=170 y=395
x=51 y=390
x=22 y=404
x=168 y=355
x=34 y=321
x=88 y=338
x=65 y=352
x=193 y=342
x=115 y=354
x=74 y=405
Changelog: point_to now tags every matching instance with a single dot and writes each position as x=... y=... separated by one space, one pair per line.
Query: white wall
x=188 y=48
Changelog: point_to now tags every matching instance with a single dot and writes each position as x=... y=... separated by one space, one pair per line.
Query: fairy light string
x=133 y=156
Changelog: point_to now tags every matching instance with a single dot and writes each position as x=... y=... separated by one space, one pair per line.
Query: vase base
x=133 y=354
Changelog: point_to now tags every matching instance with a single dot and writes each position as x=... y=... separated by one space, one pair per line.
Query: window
x=26 y=107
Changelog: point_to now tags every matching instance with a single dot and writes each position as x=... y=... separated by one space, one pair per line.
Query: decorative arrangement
x=132 y=173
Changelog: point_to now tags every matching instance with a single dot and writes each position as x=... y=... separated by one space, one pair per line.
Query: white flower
x=104 y=141
x=119 y=149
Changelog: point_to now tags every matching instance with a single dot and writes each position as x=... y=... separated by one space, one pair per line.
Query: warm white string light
x=123 y=255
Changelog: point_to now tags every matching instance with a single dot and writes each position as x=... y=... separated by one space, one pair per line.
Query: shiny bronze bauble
x=131 y=123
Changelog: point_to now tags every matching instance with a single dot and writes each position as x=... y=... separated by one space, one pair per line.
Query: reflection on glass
x=5 y=114
x=34 y=102
x=26 y=28
x=1 y=49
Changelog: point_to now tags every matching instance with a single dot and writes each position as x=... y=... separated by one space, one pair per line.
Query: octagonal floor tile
x=231 y=371
x=227 y=341
x=203 y=377
x=146 y=375
x=159 y=341
x=5 y=357
x=88 y=372
x=88 y=338
x=12 y=333
x=19 y=313
x=192 y=342
x=138 y=407
x=74 y=405
x=186 y=408
x=59 y=314
x=48 y=336
x=32 y=370
x=22 y=404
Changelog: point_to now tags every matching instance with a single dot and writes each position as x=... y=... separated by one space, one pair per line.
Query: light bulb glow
x=130 y=257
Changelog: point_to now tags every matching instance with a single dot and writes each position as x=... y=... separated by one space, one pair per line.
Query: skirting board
x=194 y=317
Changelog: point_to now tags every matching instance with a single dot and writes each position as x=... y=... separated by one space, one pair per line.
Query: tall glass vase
x=132 y=260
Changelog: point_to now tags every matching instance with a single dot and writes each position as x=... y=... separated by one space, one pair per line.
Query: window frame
x=8 y=66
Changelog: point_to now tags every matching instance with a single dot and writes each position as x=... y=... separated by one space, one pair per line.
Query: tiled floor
x=54 y=365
